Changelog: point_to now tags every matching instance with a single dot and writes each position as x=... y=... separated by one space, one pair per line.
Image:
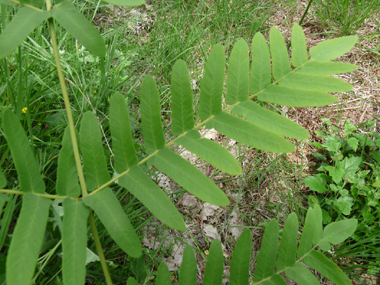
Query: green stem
x=75 y=146
x=48 y=196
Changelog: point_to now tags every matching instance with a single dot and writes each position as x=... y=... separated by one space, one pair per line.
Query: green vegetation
x=170 y=41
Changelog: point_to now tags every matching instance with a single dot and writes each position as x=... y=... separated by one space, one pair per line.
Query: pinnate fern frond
x=271 y=78
x=274 y=262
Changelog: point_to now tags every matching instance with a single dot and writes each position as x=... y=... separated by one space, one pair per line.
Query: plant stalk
x=76 y=148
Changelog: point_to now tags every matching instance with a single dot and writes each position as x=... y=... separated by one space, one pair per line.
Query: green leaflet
x=241 y=257
x=249 y=134
x=266 y=258
x=3 y=180
x=327 y=268
x=261 y=75
x=182 y=99
x=332 y=49
x=113 y=217
x=338 y=232
x=299 y=50
x=157 y=202
x=288 y=246
x=35 y=3
x=308 y=234
x=189 y=177
x=6 y=2
x=122 y=142
x=26 y=165
x=301 y=275
x=188 y=270
x=132 y=281
x=280 y=56
x=326 y=68
x=78 y=26
x=22 y=24
x=27 y=239
x=94 y=161
x=211 y=152
x=238 y=73
x=210 y=99
x=129 y=3
x=74 y=241
x=315 y=82
x=269 y=120
x=151 y=116
x=163 y=276
x=275 y=280
x=318 y=224
x=67 y=174
x=215 y=265
x=295 y=97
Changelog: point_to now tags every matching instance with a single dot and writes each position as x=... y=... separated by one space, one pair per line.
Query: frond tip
x=274 y=262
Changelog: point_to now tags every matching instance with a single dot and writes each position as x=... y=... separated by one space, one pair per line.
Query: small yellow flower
x=24 y=110
x=206 y=252
x=95 y=92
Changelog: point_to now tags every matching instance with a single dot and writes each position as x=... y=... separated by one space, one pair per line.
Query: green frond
x=94 y=160
x=111 y=214
x=27 y=239
x=74 y=241
x=122 y=142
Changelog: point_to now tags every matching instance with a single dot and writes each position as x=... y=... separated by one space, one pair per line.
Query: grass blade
x=163 y=275
x=241 y=257
x=295 y=97
x=238 y=73
x=22 y=24
x=128 y=3
x=332 y=49
x=27 y=167
x=94 y=161
x=266 y=258
x=78 y=26
x=315 y=83
x=182 y=99
x=7 y=218
x=67 y=174
x=27 y=239
x=210 y=99
x=113 y=217
x=308 y=234
x=148 y=193
x=74 y=241
x=3 y=199
x=151 y=116
x=215 y=265
x=280 y=56
x=326 y=68
x=270 y=121
x=288 y=246
x=301 y=275
x=122 y=142
x=261 y=75
x=326 y=267
x=3 y=180
x=211 y=152
x=245 y=132
x=188 y=270
x=299 y=50
x=189 y=177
